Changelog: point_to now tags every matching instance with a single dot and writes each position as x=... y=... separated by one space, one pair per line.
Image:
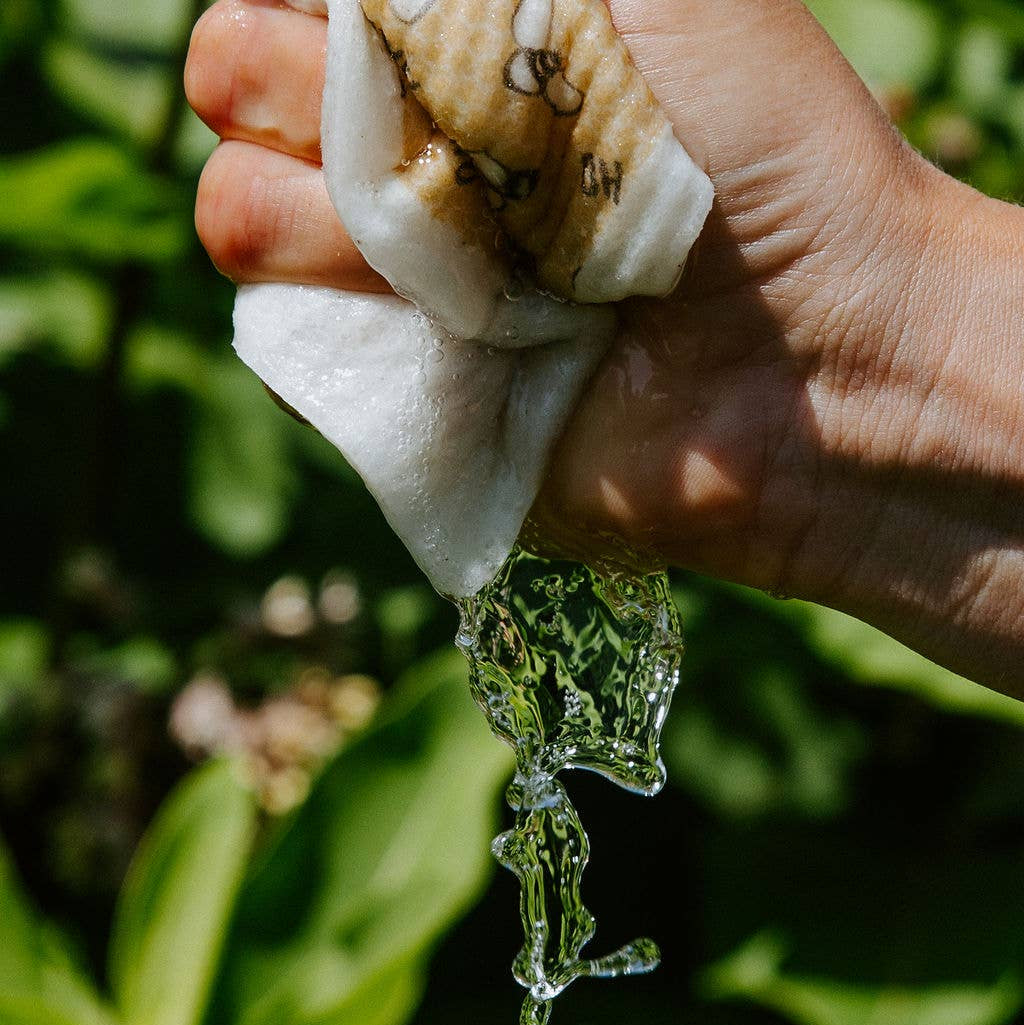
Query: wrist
x=917 y=524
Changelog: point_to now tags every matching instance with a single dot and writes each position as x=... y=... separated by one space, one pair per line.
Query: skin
x=828 y=407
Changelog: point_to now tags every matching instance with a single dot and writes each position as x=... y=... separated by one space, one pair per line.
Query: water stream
x=575 y=669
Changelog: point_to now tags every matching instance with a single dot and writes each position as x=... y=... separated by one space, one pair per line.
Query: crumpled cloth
x=505 y=167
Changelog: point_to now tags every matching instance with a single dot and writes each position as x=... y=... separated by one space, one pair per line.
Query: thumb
x=743 y=78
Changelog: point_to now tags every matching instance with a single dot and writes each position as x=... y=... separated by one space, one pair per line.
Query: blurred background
x=241 y=779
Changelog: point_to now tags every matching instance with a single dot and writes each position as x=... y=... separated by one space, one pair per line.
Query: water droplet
x=436 y=355
x=513 y=290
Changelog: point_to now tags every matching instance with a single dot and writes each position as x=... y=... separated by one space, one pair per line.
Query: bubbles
x=434 y=351
x=573 y=669
x=513 y=290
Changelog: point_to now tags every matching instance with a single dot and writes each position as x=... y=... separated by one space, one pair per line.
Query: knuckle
x=209 y=197
x=209 y=65
x=233 y=217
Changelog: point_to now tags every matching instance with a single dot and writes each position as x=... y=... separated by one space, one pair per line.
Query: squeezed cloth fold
x=506 y=168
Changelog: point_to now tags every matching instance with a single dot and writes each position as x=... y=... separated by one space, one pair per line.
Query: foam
x=454 y=449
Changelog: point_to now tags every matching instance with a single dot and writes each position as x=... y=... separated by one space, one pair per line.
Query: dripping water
x=574 y=668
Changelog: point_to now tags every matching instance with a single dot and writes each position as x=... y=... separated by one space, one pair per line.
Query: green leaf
x=871 y=658
x=753 y=731
x=982 y=60
x=384 y=998
x=402 y=613
x=194 y=144
x=158 y=357
x=39 y=982
x=129 y=98
x=20 y=950
x=173 y=912
x=154 y=24
x=241 y=477
x=841 y=932
x=1013 y=114
x=391 y=847
x=1007 y=14
x=33 y=1010
x=67 y=312
x=119 y=70
x=241 y=474
x=89 y=198
x=24 y=655
x=142 y=661
x=891 y=43
x=765 y=748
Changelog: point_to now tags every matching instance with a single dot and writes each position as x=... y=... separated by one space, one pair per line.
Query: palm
x=697 y=411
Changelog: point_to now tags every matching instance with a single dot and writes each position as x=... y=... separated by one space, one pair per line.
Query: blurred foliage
x=324 y=916
x=190 y=575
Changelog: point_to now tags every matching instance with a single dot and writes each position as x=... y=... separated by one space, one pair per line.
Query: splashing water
x=574 y=669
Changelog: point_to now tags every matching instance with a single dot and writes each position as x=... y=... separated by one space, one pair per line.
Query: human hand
x=764 y=422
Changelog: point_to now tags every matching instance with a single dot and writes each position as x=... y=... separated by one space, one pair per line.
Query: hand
x=792 y=416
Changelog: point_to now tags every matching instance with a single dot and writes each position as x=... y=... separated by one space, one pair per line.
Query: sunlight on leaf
x=155 y=24
x=391 y=847
x=65 y=312
x=982 y=62
x=755 y=972
x=24 y=655
x=869 y=657
x=241 y=474
x=173 y=912
x=889 y=42
x=844 y=931
x=158 y=357
x=88 y=198
x=127 y=98
x=39 y=982
x=872 y=658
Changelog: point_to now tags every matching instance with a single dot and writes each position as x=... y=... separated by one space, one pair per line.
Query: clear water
x=575 y=669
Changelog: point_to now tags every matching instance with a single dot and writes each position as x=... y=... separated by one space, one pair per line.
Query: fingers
x=255 y=72
x=266 y=216
x=255 y=75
